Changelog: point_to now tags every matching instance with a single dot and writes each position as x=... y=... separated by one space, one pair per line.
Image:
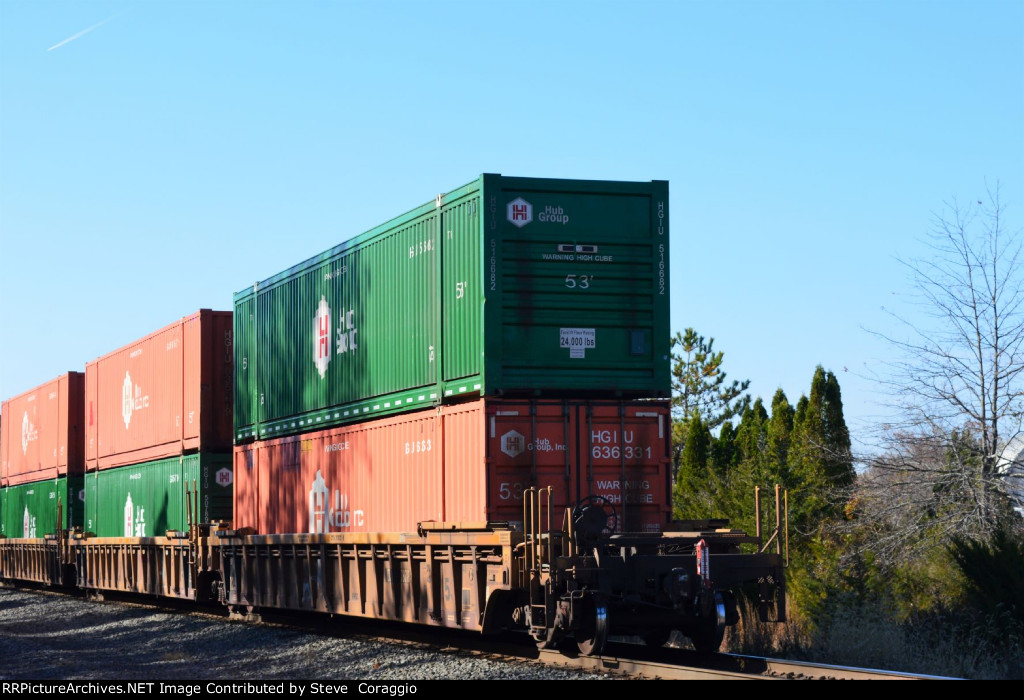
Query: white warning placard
x=578 y=340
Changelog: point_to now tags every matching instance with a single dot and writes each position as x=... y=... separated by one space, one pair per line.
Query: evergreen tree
x=725 y=455
x=751 y=439
x=694 y=493
x=800 y=414
x=820 y=462
x=697 y=449
x=778 y=435
x=747 y=468
x=839 y=470
x=994 y=573
x=818 y=467
x=699 y=383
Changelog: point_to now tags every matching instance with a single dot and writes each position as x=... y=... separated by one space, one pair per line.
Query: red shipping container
x=42 y=435
x=367 y=477
x=464 y=463
x=166 y=394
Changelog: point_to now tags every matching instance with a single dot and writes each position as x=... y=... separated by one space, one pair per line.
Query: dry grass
x=751 y=636
x=940 y=644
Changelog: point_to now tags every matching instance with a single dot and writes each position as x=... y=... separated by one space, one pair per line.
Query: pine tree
x=751 y=439
x=699 y=383
x=698 y=448
x=695 y=486
x=725 y=455
x=839 y=470
x=800 y=414
x=778 y=434
x=820 y=462
x=747 y=466
x=818 y=467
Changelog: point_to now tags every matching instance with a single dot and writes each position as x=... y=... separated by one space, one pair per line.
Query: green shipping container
x=148 y=499
x=30 y=510
x=504 y=287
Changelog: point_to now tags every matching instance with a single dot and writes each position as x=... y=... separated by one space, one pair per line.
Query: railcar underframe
x=573 y=583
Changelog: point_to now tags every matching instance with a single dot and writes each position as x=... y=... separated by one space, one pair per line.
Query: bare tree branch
x=957 y=388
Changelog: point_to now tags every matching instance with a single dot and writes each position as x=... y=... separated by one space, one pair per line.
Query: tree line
x=928 y=525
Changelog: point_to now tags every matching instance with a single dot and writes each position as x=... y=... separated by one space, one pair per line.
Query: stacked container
x=511 y=333
x=158 y=425
x=503 y=287
x=464 y=463
x=42 y=458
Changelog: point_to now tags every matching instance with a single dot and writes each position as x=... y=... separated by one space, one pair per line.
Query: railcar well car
x=458 y=418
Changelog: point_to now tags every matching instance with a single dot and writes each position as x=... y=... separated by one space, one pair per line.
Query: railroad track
x=679 y=664
x=622 y=659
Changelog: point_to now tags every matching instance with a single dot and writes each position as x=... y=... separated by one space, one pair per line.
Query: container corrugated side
x=349 y=334
x=149 y=499
x=366 y=477
x=468 y=462
x=460 y=298
x=31 y=510
x=41 y=435
x=163 y=395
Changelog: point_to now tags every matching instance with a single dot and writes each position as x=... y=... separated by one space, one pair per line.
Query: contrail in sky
x=81 y=33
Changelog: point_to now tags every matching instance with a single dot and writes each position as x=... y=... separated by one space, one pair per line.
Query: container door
x=245 y=366
x=623 y=458
x=245 y=491
x=529 y=444
x=92 y=414
x=583 y=303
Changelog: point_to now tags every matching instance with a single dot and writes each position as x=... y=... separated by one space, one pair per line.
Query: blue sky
x=179 y=151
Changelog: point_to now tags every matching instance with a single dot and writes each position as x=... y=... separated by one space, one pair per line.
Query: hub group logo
x=520 y=212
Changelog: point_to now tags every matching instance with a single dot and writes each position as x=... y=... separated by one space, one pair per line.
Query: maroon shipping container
x=164 y=395
x=464 y=463
x=41 y=434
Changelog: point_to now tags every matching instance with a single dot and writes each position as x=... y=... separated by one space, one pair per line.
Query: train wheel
x=592 y=640
x=551 y=641
x=707 y=634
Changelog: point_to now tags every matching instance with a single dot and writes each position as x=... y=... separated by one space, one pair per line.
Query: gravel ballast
x=47 y=636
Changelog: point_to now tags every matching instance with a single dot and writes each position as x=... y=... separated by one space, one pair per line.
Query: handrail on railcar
x=781 y=523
